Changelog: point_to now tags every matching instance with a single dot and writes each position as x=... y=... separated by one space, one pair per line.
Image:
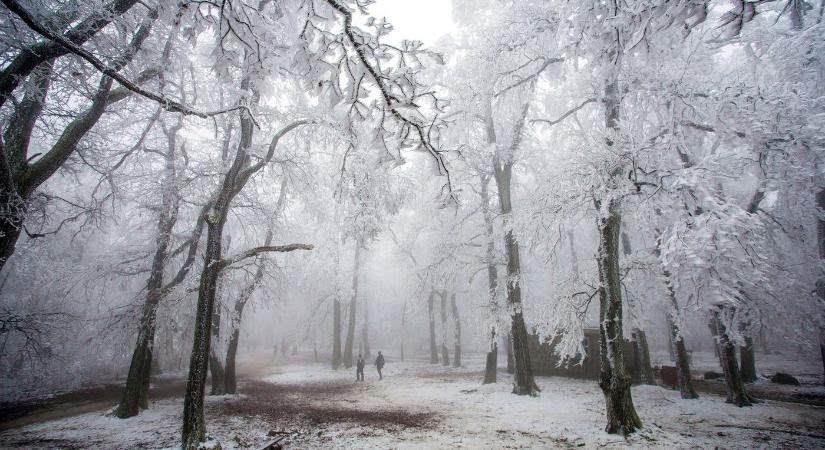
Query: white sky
x=423 y=20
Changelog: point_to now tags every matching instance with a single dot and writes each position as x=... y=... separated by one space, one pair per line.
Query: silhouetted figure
x=359 y=367
x=379 y=364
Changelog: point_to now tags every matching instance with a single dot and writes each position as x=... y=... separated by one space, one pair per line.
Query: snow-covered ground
x=418 y=406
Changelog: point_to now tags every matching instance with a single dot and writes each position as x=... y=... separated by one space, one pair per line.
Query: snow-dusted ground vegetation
x=552 y=223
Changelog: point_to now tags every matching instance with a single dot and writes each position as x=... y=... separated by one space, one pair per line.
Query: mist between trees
x=197 y=181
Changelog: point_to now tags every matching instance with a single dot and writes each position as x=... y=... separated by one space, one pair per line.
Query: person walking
x=379 y=364
x=359 y=367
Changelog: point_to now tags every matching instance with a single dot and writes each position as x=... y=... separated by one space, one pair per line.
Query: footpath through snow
x=419 y=406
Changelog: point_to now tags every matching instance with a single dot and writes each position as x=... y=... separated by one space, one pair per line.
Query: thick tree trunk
x=734 y=385
x=614 y=379
x=747 y=361
x=431 y=317
x=352 y=306
x=457 y=335
x=445 y=354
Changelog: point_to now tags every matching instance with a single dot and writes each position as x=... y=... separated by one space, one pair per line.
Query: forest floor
x=421 y=406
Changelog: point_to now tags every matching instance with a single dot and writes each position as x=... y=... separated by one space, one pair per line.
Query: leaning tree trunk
x=136 y=392
x=445 y=354
x=457 y=335
x=734 y=385
x=352 y=306
x=431 y=317
x=614 y=379
x=230 y=378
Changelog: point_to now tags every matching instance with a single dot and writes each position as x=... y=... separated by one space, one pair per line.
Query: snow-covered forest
x=412 y=224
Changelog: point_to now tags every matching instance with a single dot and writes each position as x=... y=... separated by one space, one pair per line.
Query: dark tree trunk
x=230 y=378
x=747 y=361
x=524 y=384
x=511 y=364
x=614 y=379
x=682 y=362
x=643 y=352
x=491 y=366
x=734 y=385
x=352 y=306
x=457 y=336
x=445 y=354
x=136 y=391
x=336 y=334
x=820 y=227
x=365 y=332
x=431 y=316
x=215 y=364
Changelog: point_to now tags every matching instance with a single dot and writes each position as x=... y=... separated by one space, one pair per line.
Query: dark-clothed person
x=379 y=364
x=359 y=366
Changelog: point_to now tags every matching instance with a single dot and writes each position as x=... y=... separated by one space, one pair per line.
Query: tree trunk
x=511 y=364
x=445 y=354
x=747 y=361
x=431 y=316
x=820 y=227
x=682 y=362
x=136 y=392
x=365 y=332
x=457 y=336
x=215 y=364
x=352 y=306
x=734 y=385
x=336 y=334
x=524 y=384
x=230 y=378
x=614 y=379
x=645 y=369
x=491 y=366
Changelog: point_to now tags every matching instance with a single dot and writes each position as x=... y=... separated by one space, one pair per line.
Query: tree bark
x=682 y=362
x=491 y=366
x=352 y=306
x=457 y=336
x=747 y=361
x=365 y=332
x=511 y=364
x=445 y=354
x=215 y=364
x=336 y=334
x=614 y=379
x=431 y=317
x=645 y=369
x=136 y=392
x=734 y=385
x=820 y=228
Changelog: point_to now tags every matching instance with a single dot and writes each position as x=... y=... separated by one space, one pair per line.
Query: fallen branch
x=264 y=249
